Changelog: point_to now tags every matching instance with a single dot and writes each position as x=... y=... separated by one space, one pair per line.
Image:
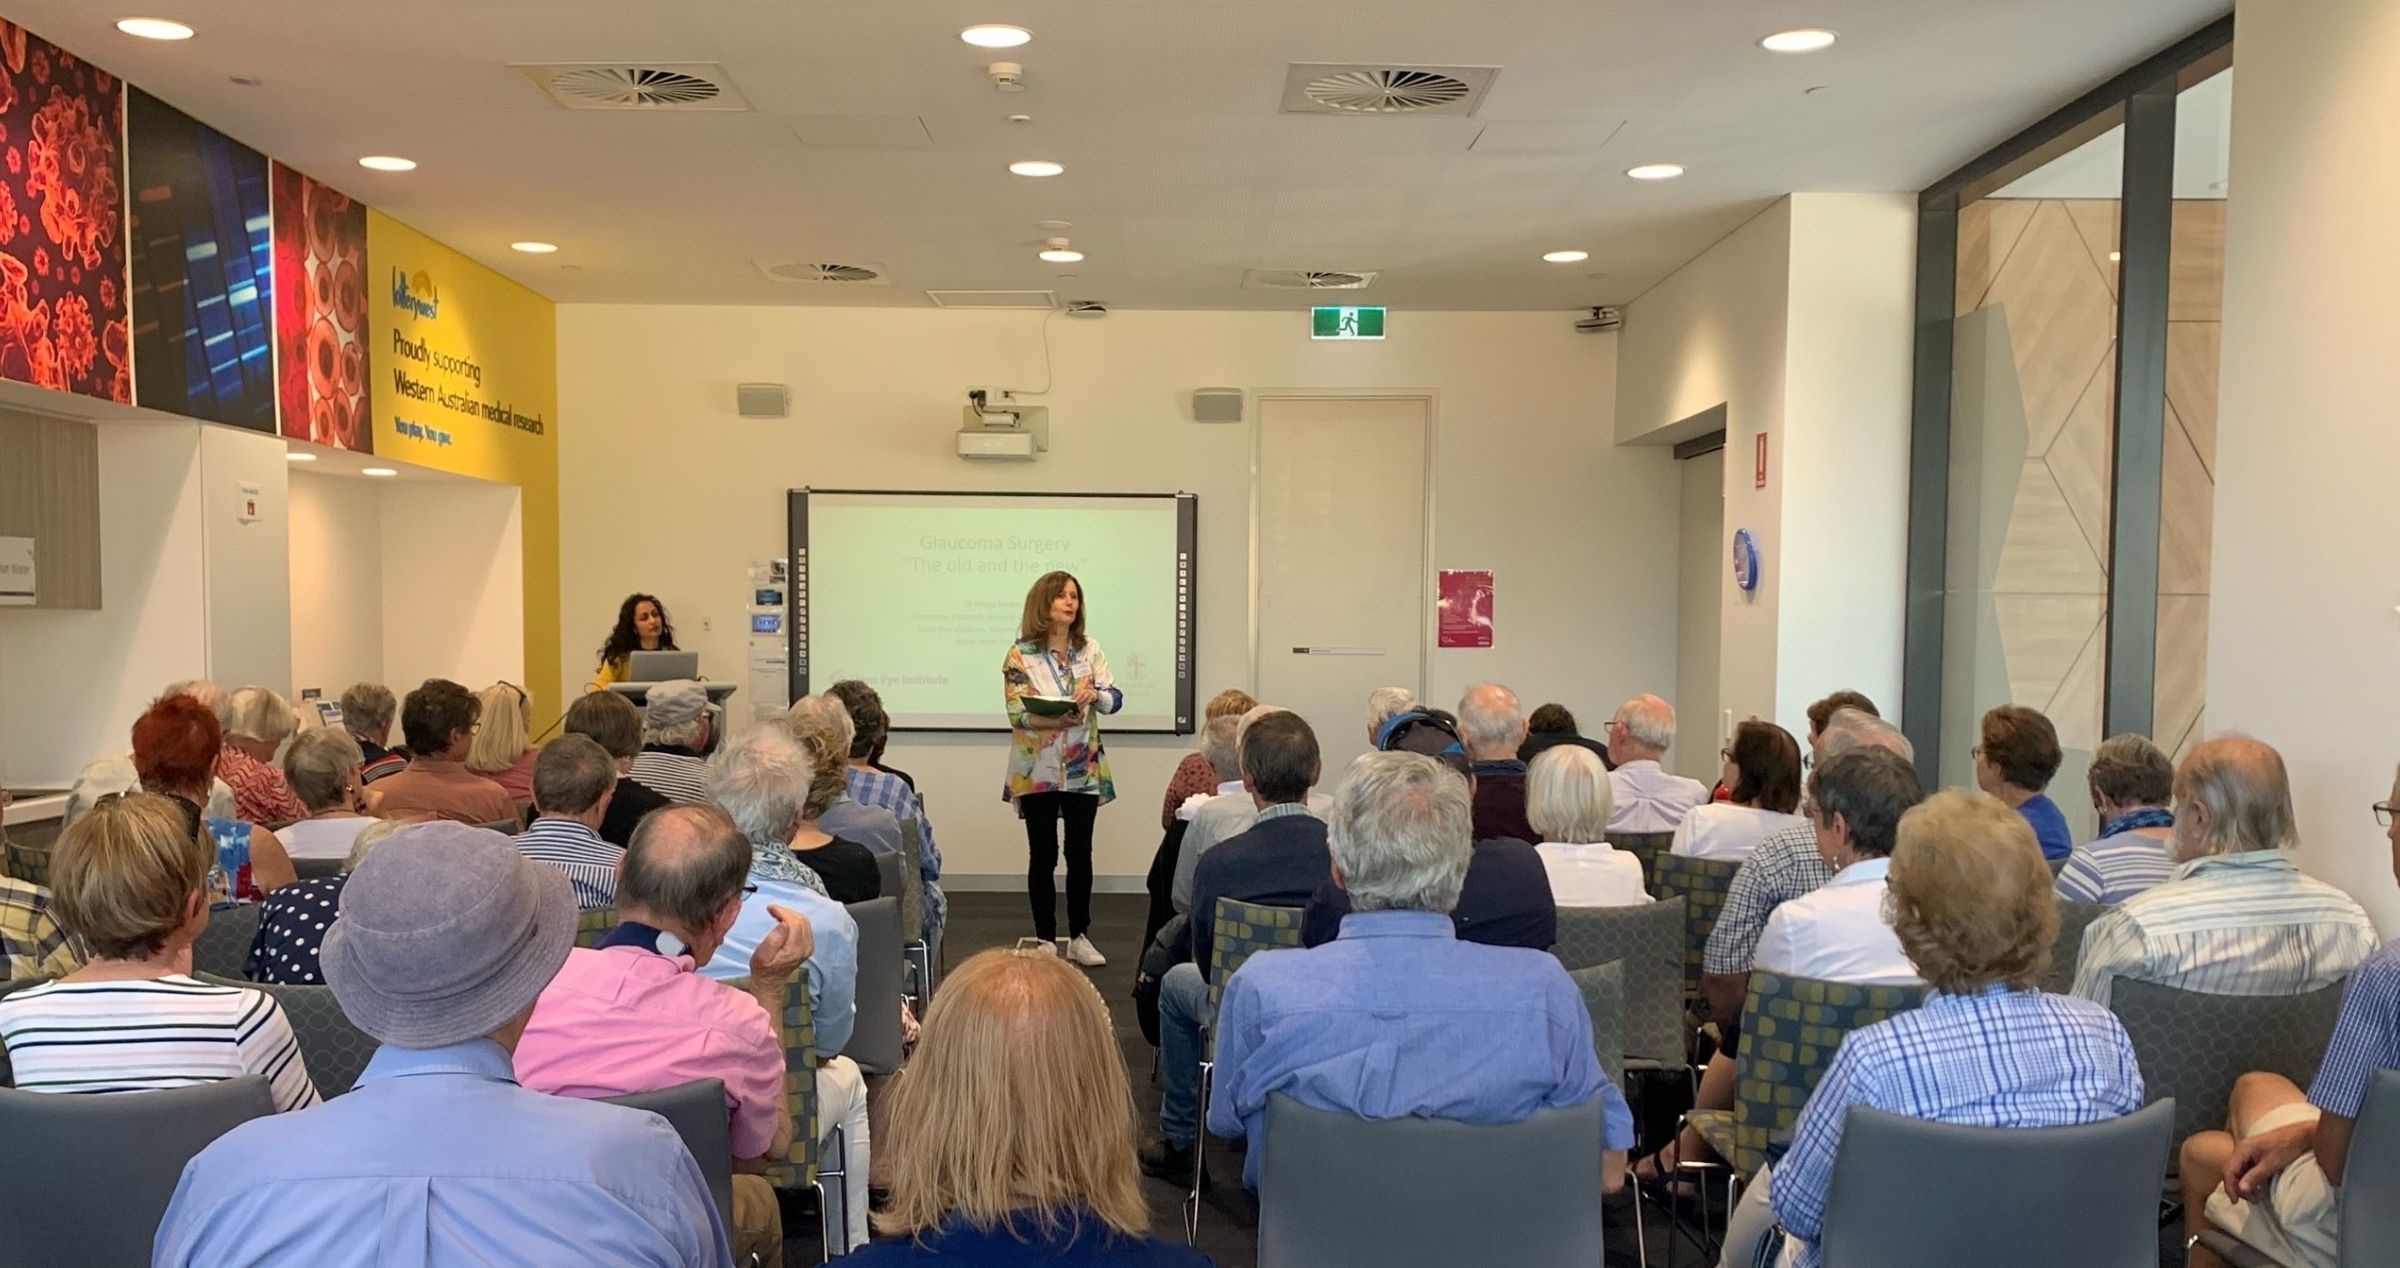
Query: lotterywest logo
x=415 y=295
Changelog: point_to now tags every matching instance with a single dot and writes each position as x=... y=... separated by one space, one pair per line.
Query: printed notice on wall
x=16 y=572
x=1463 y=611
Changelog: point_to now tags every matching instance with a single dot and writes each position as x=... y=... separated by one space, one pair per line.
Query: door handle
x=1337 y=651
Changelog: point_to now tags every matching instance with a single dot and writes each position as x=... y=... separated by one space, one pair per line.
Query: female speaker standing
x=1054 y=679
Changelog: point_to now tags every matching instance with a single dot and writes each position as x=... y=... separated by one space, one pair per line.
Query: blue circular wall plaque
x=1745 y=559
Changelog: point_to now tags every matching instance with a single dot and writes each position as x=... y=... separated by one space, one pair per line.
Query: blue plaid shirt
x=2365 y=1039
x=1996 y=1058
x=890 y=792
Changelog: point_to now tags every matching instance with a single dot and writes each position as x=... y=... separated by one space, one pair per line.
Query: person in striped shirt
x=2235 y=916
x=130 y=879
x=2132 y=781
x=573 y=780
x=675 y=731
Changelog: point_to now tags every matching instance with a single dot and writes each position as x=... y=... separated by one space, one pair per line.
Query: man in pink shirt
x=632 y=1016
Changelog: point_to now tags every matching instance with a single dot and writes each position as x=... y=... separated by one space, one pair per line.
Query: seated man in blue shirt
x=1398 y=1017
x=1278 y=862
x=441 y=948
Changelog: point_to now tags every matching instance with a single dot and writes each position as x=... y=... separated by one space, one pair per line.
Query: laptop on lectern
x=661 y=666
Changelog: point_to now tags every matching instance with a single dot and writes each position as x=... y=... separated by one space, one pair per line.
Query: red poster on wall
x=1464 y=609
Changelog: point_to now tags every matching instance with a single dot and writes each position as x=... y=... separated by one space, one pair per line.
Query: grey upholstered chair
x=696 y=1110
x=100 y=1169
x=335 y=1051
x=1523 y=1193
x=1646 y=846
x=2066 y=949
x=1908 y=1192
x=1647 y=942
x=223 y=948
x=887 y=874
x=317 y=869
x=875 y=1040
x=2193 y=1046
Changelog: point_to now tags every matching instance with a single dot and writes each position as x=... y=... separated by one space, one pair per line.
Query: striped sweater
x=146 y=1036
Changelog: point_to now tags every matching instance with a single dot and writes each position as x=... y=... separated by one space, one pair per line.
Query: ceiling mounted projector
x=998 y=429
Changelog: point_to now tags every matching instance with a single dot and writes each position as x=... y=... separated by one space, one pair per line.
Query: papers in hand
x=1048 y=706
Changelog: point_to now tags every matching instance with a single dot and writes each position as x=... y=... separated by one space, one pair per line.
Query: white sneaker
x=1084 y=953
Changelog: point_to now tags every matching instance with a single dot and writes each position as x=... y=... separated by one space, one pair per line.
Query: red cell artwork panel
x=321 y=313
x=62 y=231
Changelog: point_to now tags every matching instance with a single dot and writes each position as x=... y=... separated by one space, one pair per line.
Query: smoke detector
x=1006 y=76
x=636 y=86
x=1306 y=280
x=1360 y=89
x=822 y=271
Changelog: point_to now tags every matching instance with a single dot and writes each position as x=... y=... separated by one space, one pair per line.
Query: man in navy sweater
x=1279 y=862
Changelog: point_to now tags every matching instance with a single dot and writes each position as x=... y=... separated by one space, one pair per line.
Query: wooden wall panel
x=50 y=491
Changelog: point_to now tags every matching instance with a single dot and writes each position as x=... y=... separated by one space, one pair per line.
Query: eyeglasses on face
x=2383 y=813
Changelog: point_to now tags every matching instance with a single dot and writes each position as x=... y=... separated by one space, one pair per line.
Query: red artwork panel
x=62 y=233
x=321 y=313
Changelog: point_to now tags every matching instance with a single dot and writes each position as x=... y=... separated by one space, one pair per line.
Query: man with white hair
x=675 y=732
x=1383 y=705
x=849 y=818
x=2236 y=916
x=1493 y=728
x=1397 y=1017
x=1648 y=799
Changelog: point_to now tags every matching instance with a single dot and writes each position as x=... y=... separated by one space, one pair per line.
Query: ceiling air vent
x=817 y=271
x=1037 y=300
x=627 y=86
x=1329 y=88
x=1305 y=280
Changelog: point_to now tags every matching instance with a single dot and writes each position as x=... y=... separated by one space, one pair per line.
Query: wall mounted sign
x=1759 y=473
x=1463 y=612
x=1745 y=560
x=1346 y=323
x=16 y=572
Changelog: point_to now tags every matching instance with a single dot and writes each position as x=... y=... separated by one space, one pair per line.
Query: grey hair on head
x=322 y=766
x=761 y=778
x=1851 y=729
x=1649 y=721
x=1386 y=703
x=1402 y=831
x=2244 y=792
x=827 y=711
x=1489 y=718
x=1220 y=746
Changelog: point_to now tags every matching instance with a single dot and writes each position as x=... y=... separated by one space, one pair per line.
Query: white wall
x=662 y=488
x=336 y=581
x=249 y=568
x=2304 y=641
x=74 y=681
x=454 y=582
x=1841 y=467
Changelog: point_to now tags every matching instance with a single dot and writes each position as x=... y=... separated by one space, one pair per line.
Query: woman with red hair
x=176 y=743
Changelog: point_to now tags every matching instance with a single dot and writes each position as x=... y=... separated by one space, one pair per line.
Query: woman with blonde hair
x=500 y=752
x=847 y=867
x=1010 y=1137
x=257 y=722
x=131 y=879
x=1193 y=776
x=1969 y=896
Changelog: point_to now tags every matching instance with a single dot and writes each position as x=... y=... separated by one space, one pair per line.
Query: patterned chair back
x=2067 y=948
x=1791 y=1027
x=798 y=1027
x=1646 y=846
x=912 y=881
x=1703 y=884
x=29 y=863
x=1243 y=930
x=1603 y=990
x=592 y=924
x=1646 y=942
x=2193 y=1046
x=223 y=948
x=335 y=1051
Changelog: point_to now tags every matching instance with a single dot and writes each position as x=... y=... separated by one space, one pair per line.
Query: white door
x=1341 y=550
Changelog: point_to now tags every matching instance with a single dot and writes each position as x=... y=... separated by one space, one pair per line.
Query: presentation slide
x=919 y=594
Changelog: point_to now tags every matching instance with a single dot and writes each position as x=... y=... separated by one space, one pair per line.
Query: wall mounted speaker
x=1217 y=405
x=763 y=400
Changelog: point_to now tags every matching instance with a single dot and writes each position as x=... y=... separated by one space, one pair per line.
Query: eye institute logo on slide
x=415 y=295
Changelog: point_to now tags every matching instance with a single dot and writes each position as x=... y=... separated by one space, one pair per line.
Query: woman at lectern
x=642 y=626
x=1056 y=679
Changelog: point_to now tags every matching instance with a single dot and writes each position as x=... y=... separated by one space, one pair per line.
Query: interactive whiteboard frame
x=1187 y=555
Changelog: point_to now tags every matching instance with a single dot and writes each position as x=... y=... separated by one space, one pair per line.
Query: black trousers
x=1043 y=811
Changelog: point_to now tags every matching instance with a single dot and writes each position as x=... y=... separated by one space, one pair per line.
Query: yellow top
x=610 y=671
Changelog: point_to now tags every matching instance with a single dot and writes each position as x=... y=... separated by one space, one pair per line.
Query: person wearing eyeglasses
x=2273 y=1177
x=1762 y=783
x=1646 y=797
x=2015 y=762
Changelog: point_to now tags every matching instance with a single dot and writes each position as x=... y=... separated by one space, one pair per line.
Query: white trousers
x=842 y=1103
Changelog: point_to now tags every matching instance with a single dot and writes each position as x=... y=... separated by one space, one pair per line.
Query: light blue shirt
x=437 y=1157
x=1398 y=1018
x=832 y=968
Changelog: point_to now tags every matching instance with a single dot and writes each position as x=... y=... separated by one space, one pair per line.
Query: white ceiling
x=1180 y=171
x=2096 y=168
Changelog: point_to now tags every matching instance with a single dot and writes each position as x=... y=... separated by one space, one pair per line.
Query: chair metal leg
x=824 y=1222
x=1641 y=1239
x=837 y=1146
x=920 y=966
x=1191 y=1203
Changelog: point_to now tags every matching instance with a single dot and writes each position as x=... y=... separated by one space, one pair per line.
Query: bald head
x=1490 y=723
x=683 y=869
x=2232 y=794
x=1850 y=729
x=1643 y=730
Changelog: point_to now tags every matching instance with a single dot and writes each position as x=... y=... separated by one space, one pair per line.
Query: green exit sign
x=1346 y=323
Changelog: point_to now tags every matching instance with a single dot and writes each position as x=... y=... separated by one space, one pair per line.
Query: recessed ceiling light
x=1655 y=171
x=154 y=28
x=297 y=456
x=1056 y=251
x=2112 y=257
x=1566 y=257
x=996 y=35
x=387 y=163
x=380 y=473
x=1805 y=40
x=1020 y=118
x=534 y=248
x=1036 y=167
